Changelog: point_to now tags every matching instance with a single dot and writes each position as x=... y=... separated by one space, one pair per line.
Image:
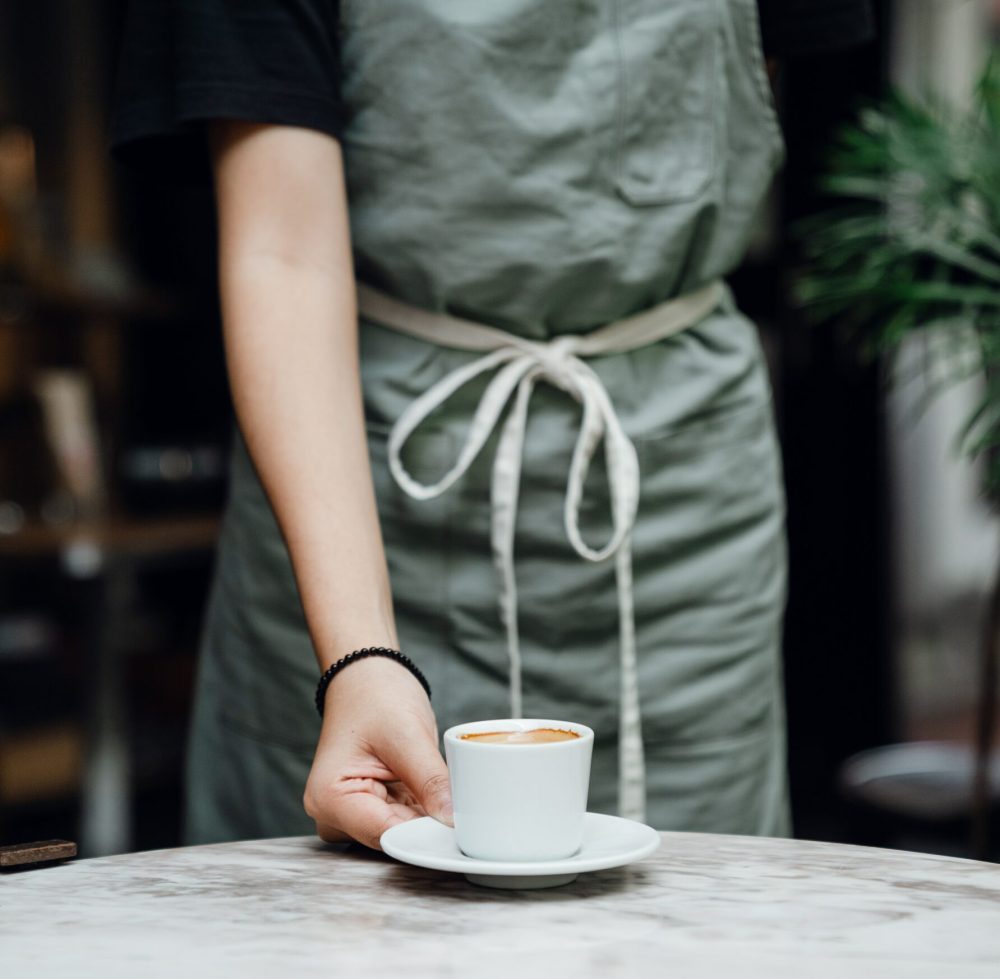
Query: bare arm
x=288 y=305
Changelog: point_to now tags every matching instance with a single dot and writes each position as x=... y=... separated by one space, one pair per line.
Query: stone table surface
x=701 y=906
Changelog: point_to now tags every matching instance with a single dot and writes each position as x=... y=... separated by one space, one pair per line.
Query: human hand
x=377 y=762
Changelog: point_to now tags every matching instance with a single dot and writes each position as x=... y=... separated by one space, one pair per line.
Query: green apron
x=545 y=169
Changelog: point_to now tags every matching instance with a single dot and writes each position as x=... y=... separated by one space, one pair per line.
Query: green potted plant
x=911 y=245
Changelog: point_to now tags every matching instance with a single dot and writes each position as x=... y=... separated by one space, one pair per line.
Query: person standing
x=497 y=408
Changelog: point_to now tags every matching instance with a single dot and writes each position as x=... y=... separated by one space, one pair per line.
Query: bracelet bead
x=359 y=654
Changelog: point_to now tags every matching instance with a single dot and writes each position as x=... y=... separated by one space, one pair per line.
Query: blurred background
x=114 y=427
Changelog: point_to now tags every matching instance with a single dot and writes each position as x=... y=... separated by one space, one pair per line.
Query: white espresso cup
x=519 y=802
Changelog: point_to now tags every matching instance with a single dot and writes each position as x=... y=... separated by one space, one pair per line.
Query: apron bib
x=545 y=169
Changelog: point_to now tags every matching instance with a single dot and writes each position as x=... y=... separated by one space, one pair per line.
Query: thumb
x=419 y=765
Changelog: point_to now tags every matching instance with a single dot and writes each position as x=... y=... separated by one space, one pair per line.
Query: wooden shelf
x=116 y=536
x=41 y=764
x=62 y=295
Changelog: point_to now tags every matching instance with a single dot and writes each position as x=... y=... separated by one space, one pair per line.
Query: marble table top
x=701 y=906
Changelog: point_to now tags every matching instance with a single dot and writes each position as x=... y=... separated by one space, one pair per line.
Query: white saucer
x=608 y=841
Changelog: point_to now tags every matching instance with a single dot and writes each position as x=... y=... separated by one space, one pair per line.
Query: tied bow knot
x=558 y=355
x=519 y=366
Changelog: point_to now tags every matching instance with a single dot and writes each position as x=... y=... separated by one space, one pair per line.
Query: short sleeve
x=182 y=62
x=800 y=28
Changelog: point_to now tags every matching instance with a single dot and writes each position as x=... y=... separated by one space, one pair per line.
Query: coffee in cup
x=519 y=787
x=539 y=735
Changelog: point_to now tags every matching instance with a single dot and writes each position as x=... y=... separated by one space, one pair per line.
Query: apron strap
x=520 y=364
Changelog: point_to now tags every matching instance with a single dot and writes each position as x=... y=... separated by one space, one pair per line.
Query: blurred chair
x=918 y=796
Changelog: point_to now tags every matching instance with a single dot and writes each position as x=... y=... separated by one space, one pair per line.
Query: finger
x=364 y=817
x=419 y=765
x=398 y=792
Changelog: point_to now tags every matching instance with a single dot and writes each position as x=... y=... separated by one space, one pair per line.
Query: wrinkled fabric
x=547 y=169
x=552 y=167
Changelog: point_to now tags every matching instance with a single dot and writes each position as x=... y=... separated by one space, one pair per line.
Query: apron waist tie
x=519 y=364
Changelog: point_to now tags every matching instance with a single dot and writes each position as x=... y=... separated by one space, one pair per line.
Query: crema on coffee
x=544 y=735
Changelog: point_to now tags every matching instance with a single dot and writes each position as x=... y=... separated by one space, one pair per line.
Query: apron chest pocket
x=669 y=75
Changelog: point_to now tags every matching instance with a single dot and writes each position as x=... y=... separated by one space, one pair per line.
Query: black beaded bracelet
x=324 y=680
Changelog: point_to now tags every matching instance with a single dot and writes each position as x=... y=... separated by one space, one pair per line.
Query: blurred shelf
x=70 y=300
x=116 y=537
x=41 y=765
x=59 y=296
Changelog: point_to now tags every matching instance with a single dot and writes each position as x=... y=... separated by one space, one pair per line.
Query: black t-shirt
x=276 y=61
